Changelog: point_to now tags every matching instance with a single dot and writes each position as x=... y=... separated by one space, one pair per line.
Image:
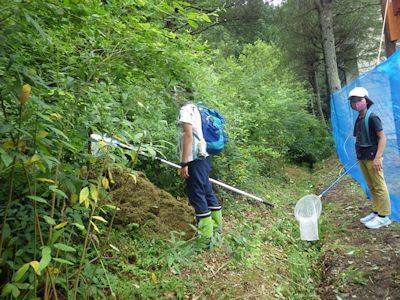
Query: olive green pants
x=377 y=185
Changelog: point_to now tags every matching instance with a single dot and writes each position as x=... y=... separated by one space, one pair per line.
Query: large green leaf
x=64 y=247
x=46 y=258
x=7 y=159
x=21 y=272
x=37 y=27
x=10 y=289
x=49 y=220
x=84 y=194
x=37 y=199
x=63 y=261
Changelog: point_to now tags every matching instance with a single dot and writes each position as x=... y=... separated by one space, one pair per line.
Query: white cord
x=383 y=29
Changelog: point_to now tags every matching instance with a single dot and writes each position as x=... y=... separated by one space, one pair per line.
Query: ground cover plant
x=92 y=221
x=259 y=257
x=63 y=77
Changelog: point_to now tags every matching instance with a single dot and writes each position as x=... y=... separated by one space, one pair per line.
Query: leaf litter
x=154 y=211
x=375 y=259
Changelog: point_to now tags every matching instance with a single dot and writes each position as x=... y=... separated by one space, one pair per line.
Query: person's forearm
x=381 y=146
x=187 y=145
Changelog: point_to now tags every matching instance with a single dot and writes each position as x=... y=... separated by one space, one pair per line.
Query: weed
x=353 y=276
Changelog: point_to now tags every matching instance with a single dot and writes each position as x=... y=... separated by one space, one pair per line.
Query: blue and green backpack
x=212 y=123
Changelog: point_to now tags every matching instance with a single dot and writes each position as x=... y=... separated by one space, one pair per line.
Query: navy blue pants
x=199 y=188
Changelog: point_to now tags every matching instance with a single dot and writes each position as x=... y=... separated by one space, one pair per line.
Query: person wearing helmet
x=370 y=144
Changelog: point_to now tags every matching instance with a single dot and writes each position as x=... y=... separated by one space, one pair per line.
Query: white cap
x=358 y=92
x=361 y=93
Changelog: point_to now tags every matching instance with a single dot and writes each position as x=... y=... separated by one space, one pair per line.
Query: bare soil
x=358 y=263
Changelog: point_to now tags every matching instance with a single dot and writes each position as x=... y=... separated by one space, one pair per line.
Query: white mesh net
x=307 y=212
x=308 y=207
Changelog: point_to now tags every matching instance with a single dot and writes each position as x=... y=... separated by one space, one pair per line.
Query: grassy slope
x=261 y=256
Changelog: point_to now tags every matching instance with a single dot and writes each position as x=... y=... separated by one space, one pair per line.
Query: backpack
x=213 y=129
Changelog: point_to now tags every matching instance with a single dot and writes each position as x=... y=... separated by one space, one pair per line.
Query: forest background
x=113 y=67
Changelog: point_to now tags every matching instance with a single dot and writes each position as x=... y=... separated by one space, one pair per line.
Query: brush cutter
x=97 y=138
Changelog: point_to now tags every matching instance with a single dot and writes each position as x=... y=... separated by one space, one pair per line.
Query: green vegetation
x=260 y=249
x=71 y=68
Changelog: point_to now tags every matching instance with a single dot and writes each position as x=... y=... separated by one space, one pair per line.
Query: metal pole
x=228 y=187
x=97 y=138
x=337 y=180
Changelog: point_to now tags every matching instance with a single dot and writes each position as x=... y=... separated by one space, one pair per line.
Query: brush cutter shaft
x=228 y=187
x=243 y=193
x=97 y=138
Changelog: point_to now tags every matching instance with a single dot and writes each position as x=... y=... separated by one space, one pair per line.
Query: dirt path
x=358 y=263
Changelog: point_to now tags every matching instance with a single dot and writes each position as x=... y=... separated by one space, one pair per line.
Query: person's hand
x=184 y=172
x=377 y=163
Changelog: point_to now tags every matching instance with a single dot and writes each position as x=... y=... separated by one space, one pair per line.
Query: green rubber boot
x=216 y=216
x=205 y=227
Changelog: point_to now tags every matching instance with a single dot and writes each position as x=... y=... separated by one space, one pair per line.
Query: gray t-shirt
x=375 y=125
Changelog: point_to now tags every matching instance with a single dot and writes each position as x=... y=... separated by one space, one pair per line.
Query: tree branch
x=357 y=9
x=224 y=21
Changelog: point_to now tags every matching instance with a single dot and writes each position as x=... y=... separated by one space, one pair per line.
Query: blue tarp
x=383 y=85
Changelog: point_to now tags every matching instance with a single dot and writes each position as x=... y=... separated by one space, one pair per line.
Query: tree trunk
x=326 y=23
x=312 y=105
x=318 y=98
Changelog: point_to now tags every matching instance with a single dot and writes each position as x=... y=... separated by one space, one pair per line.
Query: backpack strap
x=366 y=123
x=194 y=133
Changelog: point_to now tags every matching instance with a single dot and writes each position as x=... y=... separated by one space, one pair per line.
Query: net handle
x=336 y=181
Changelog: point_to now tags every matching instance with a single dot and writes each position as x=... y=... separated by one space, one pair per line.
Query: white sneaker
x=378 y=222
x=368 y=218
